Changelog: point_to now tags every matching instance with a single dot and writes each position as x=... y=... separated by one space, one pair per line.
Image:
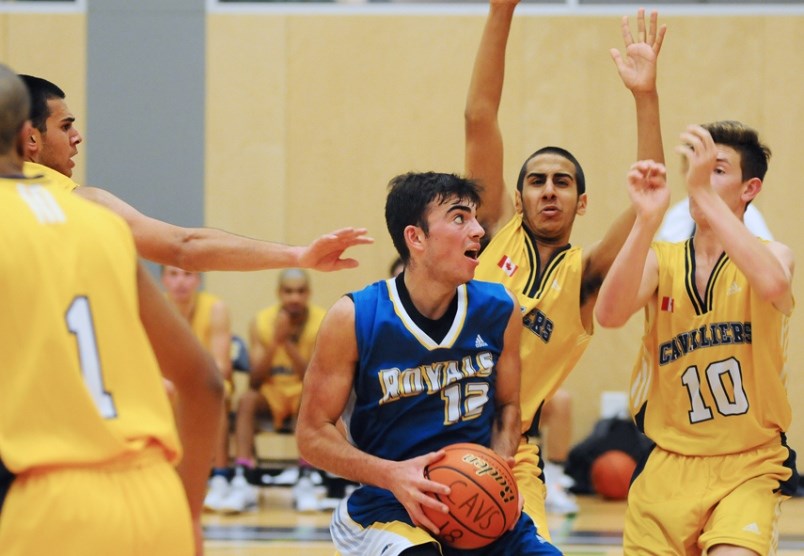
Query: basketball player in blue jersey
x=709 y=387
x=53 y=142
x=529 y=249
x=415 y=363
x=89 y=448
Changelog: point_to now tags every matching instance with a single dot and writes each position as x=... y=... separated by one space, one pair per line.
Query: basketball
x=611 y=474
x=484 y=500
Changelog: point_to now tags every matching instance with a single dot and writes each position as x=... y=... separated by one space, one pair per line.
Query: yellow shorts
x=687 y=504
x=530 y=482
x=126 y=509
x=283 y=397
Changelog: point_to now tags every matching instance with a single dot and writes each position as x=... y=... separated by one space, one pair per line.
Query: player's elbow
x=478 y=116
x=609 y=318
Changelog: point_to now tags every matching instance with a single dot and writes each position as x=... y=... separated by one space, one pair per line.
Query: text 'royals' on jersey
x=712 y=372
x=413 y=394
x=80 y=384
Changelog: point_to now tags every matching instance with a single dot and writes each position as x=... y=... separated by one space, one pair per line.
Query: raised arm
x=484 y=145
x=327 y=386
x=633 y=278
x=188 y=366
x=637 y=69
x=767 y=266
x=506 y=434
x=202 y=249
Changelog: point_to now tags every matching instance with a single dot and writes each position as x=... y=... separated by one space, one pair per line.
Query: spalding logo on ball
x=483 y=502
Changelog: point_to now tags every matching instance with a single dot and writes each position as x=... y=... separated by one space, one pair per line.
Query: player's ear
x=32 y=141
x=414 y=238
x=751 y=189
x=518 y=201
x=580 y=208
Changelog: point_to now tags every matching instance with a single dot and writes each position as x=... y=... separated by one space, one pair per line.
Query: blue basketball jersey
x=413 y=394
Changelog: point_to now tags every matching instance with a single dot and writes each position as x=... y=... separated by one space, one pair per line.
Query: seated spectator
x=281 y=341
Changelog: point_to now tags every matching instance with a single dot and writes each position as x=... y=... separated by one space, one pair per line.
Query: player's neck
x=707 y=245
x=11 y=167
x=430 y=297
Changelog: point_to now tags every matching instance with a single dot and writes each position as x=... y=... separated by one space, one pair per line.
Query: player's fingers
x=342 y=264
x=657 y=44
x=625 y=28
x=641 y=25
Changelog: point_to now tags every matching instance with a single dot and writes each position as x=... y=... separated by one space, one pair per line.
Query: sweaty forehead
x=550 y=163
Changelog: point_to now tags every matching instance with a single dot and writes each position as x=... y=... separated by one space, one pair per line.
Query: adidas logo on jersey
x=480 y=343
x=556 y=286
x=734 y=288
x=752 y=528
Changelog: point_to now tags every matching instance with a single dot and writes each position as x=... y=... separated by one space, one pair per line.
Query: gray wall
x=145 y=87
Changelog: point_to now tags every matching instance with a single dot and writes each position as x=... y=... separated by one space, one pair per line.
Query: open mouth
x=472 y=253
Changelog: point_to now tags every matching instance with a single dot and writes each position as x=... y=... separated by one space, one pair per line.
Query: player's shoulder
x=54 y=179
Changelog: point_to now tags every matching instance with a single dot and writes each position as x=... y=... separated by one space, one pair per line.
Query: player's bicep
x=649 y=283
x=156 y=241
x=181 y=357
x=509 y=363
x=484 y=164
x=330 y=373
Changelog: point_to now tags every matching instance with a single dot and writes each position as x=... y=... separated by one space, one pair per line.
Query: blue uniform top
x=413 y=393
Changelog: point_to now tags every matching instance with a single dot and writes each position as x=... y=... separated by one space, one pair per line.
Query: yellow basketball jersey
x=79 y=384
x=711 y=376
x=55 y=179
x=282 y=366
x=549 y=297
x=202 y=317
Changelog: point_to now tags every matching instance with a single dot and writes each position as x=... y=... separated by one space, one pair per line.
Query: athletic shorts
x=368 y=522
x=688 y=504
x=529 y=479
x=134 y=508
x=283 y=399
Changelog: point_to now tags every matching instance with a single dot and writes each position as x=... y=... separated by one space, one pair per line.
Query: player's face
x=452 y=244
x=59 y=143
x=727 y=182
x=549 y=199
x=180 y=285
x=294 y=295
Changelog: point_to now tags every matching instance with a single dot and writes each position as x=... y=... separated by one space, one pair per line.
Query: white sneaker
x=217 y=491
x=558 y=501
x=305 y=497
x=289 y=476
x=241 y=497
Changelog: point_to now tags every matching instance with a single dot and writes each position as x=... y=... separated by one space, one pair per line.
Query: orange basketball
x=483 y=501
x=611 y=474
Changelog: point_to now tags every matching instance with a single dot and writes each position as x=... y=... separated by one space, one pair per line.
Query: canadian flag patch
x=507 y=265
x=667 y=304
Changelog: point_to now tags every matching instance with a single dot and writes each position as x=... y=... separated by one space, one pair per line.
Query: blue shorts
x=372 y=521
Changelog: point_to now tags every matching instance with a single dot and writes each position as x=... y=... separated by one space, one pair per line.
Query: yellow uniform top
x=711 y=376
x=79 y=384
x=201 y=318
x=549 y=296
x=56 y=179
x=281 y=365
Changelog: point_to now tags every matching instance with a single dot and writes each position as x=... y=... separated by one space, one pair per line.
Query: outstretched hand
x=700 y=150
x=411 y=488
x=647 y=187
x=638 y=68
x=325 y=253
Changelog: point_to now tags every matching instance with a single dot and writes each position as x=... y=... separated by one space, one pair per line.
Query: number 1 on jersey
x=79 y=323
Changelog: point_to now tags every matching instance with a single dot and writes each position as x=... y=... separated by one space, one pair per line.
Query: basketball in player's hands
x=483 y=502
